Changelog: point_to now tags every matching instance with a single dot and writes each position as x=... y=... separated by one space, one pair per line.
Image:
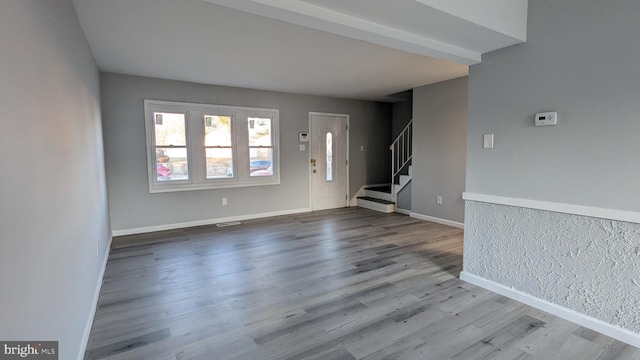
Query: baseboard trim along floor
x=600 y=326
x=455 y=224
x=182 y=225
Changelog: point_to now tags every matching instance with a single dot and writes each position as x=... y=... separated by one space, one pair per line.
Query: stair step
x=379 y=201
x=383 y=188
x=379 y=192
x=376 y=204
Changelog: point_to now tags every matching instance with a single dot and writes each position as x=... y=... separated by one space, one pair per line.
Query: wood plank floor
x=342 y=284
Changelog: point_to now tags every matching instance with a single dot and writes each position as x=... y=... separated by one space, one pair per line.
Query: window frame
x=259 y=147
x=233 y=147
x=196 y=150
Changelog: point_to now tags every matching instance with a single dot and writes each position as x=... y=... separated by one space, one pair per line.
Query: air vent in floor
x=231 y=223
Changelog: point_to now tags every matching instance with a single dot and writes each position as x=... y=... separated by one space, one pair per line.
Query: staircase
x=383 y=197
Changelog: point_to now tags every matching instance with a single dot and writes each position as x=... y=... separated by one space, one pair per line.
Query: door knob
x=315 y=171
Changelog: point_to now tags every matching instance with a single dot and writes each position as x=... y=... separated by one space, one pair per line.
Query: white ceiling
x=343 y=48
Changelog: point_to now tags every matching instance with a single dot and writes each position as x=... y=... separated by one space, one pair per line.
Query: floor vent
x=231 y=223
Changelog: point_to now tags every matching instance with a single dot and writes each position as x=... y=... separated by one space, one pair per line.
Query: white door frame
x=310 y=137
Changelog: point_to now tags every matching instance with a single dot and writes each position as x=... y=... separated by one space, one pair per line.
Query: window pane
x=329 y=150
x=169 y=129
x=171 y=164
x=259 y=132
x=261 y=163
x=219 y=163
x=217 y=130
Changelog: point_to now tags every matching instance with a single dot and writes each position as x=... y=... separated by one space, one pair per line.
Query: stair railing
x=401 y=151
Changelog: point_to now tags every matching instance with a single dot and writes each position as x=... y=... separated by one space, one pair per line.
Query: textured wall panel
x=586 y=264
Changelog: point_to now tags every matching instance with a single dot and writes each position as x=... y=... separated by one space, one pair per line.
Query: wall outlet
x=224 y=201
x=439 y=200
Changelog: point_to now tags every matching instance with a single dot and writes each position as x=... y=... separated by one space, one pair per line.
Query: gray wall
x=401 y=114
x=53 y=201
x=403 y=200
x=439 y=146
x=132 y=206
x=580 y=59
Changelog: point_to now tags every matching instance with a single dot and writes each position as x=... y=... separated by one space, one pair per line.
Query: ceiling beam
x=507 y=17
x=324 y=19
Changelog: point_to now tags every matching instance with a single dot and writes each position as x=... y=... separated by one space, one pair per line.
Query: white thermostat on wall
x=547 y=118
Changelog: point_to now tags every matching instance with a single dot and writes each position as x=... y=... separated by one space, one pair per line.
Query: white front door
x=328 y=165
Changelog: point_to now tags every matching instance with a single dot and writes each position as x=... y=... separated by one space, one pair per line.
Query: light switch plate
x=302 y=147
x=488 y=141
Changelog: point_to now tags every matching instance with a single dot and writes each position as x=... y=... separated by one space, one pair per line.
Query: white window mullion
x=196 y=145
x=242 y=145
x=234 y=145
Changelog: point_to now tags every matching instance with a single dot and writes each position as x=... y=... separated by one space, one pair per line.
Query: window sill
x=164 y=188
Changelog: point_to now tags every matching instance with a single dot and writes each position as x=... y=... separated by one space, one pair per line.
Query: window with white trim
x=201 y=146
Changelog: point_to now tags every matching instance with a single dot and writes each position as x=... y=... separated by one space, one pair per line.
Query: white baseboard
x=437 y=220
x=147 y=229
x=94 y=306
x=403 y=211
x=600 y=326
